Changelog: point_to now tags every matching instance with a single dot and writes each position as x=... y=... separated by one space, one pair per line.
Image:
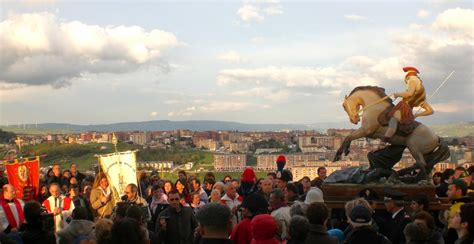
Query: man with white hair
x=360 y=220
x=11 y=210
x=232 y=200
x=59 y=205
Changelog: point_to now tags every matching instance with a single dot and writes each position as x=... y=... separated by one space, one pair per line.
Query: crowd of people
x=72 y=207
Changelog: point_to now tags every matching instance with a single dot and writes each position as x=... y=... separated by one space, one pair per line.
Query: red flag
x=24 y=177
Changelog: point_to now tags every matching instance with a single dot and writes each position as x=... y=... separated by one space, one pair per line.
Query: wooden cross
x=19 y=142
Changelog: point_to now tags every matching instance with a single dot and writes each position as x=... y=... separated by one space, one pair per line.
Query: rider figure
x=414 y=96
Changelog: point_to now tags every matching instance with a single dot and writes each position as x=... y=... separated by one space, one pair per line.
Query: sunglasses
x=174 y=199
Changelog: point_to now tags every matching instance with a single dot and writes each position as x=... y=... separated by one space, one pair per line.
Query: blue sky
x=264 y=61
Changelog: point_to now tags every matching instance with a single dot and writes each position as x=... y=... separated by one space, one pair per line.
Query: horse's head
x=351 y=106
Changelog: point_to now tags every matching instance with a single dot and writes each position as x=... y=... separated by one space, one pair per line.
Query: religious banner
x=120 y=168
x=24 y=176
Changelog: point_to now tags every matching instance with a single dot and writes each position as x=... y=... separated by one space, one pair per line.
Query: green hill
x=33 y=130
x=460 y=129
x=84 y=154
x=81 y=154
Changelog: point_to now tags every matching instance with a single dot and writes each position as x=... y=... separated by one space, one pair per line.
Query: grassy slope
x=33 y=131
x=84 y=155
x=455 y=130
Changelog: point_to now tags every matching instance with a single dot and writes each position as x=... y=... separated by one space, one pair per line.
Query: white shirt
x=3 y=217
x=283 y=216
x=60 y=219
x=231 y=203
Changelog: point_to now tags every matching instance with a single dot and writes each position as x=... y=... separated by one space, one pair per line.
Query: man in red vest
x=11 y=210
x=58 y=205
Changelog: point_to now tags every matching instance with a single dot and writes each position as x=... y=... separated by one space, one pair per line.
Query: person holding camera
x=102 y=200
x=132 y=198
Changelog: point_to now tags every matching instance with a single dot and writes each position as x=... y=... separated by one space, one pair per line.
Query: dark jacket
x=34 y=234
x=58 y=180
x=435 y=237
x=395 y=227
x=79 y=176
x=362 y=235
x=441 y=190
x=180 y=226
x=465 y=240
x=295 y=242
x=154 y=214
x=80 y=201
x=319 y=234
x=373 y=226
x=215 y=241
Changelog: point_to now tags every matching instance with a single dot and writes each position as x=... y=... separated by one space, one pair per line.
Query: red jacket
x=241 y=233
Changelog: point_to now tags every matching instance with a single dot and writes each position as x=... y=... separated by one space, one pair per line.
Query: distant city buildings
x=139 y=137
x=208 y=144
x=229 y=162
x=305 y=150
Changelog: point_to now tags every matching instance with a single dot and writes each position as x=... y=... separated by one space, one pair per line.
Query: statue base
x=336 y=195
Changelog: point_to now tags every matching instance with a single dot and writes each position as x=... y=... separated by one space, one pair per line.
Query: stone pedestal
x=336 y=195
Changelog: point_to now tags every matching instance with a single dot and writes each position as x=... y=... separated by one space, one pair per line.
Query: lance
x=437 y=89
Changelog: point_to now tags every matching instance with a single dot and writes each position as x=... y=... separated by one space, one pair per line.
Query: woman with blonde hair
x=102 y=196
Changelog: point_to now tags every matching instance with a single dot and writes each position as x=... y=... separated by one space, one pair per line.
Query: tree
x=6 y=136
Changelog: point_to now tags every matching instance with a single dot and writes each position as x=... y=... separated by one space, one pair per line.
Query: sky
x=265 y=61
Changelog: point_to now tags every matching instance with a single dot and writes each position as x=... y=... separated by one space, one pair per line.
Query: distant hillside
x=446 y=130
x=460 y=129
x=162 y=125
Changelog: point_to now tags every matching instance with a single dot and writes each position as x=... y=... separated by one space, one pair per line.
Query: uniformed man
x=11 y=210
x=396 y=224
x=414 y=96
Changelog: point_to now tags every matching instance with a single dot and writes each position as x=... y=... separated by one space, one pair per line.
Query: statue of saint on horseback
x=396 y=127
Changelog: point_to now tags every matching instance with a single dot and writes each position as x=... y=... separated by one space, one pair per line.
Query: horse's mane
x=377 y=90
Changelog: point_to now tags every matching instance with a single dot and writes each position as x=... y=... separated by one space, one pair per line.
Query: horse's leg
x=419 y=160
x=346 y=144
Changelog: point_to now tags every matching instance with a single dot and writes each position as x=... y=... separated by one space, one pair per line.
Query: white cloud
x=40 y=49
x=231 y=57
x=221 y=106
x=452 y=107
x=153 y=114
x=295 y=76
x=414 y=26
x=354 y=17
x=271 y=94
x=170 y=102
x=273 y=10
x=210 y=107
x=436 y=51
x=257 y=40
x=423 y=13
x=456 y=20
x=258 y=10
x=249 y=12
x=180 y=114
